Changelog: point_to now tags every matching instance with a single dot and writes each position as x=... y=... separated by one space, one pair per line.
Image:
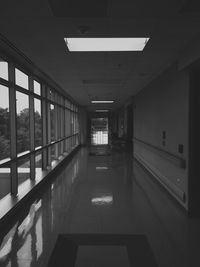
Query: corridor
x=109 y=194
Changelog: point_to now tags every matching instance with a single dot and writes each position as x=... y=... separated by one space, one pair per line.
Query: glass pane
x=22 y=106
x=52 y=115
x=21 y=79
x=23 y=170
x=4 y=123
x=68 y=124
x=37 y=88
x=68 y=143
x=67 y=103
x=3 y=69
x=77 y=139
x=38 y=165
x=51 y=95
x=59 y=122
x=76 y=123
x=65 y=122
x=99 y=131
x=61 y=100
x=62 y=147
x=59 y=149
x=38 y=122
x=72 y=124
x=53 y=153
x=4 y=181
x=58 y=99
x=62 y=123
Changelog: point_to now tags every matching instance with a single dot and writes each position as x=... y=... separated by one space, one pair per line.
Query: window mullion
x=32 y=129
x=13 y=129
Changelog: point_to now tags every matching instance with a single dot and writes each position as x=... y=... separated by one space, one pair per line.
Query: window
x=62 y=122
x=38 y=122
x=59 y=120
x=53 y=153
x=37 y=88
x=38 y=165
x=53 y=118
x=3 y=69
x=4 y=181
x=51 y=95
x=23 y=132
x=23 y=170
x=99 y=131
x=21 y=79
x=4 y=123
x=67 y=103
x=67 y=123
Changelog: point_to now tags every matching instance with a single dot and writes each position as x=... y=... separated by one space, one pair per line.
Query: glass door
x=99 y=131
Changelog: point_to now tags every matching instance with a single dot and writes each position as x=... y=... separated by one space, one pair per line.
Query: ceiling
x=38 y=31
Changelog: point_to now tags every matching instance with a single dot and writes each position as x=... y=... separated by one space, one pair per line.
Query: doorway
x=99 y=131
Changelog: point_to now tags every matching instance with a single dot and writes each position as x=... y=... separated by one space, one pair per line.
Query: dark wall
x=161 y=131
x=194 y=141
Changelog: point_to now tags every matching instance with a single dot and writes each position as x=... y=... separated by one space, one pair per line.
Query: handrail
x=26 y=154
x=176 y=160
x=169 y=185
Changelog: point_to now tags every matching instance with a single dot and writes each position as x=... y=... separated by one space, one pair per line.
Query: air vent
x=191 y=6
x=79 y=8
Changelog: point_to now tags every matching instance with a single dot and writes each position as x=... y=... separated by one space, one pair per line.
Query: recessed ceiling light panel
x=102 y=110
x=105 y=44
x=102 y=101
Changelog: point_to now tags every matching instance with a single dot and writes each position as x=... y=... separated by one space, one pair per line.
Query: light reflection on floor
x=102 y=194
x=102 y=200
x=24 y=242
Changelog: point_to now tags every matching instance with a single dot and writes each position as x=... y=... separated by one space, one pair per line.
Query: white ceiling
x=32 y=27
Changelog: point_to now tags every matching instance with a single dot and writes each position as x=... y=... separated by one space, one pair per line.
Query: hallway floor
x=108 y=194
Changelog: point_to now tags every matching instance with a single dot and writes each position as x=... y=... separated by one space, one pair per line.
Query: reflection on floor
x=100 y=150
x=108 y=194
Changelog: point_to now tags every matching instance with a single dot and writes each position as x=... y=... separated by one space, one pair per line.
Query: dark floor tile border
x=66 y=248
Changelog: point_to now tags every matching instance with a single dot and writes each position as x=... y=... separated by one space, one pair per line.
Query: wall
x=163 y=106
x=119 y=120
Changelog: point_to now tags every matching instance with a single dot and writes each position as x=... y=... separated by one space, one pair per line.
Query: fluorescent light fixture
x=102 y=101
x=105 y=44
x=102 y=168
x=102 y=110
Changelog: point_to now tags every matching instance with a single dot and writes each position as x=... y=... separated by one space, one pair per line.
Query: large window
x=23 y=138
x=27 y=103
x=4 y=123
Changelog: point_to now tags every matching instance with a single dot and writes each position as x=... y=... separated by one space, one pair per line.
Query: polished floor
x=108 y=194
